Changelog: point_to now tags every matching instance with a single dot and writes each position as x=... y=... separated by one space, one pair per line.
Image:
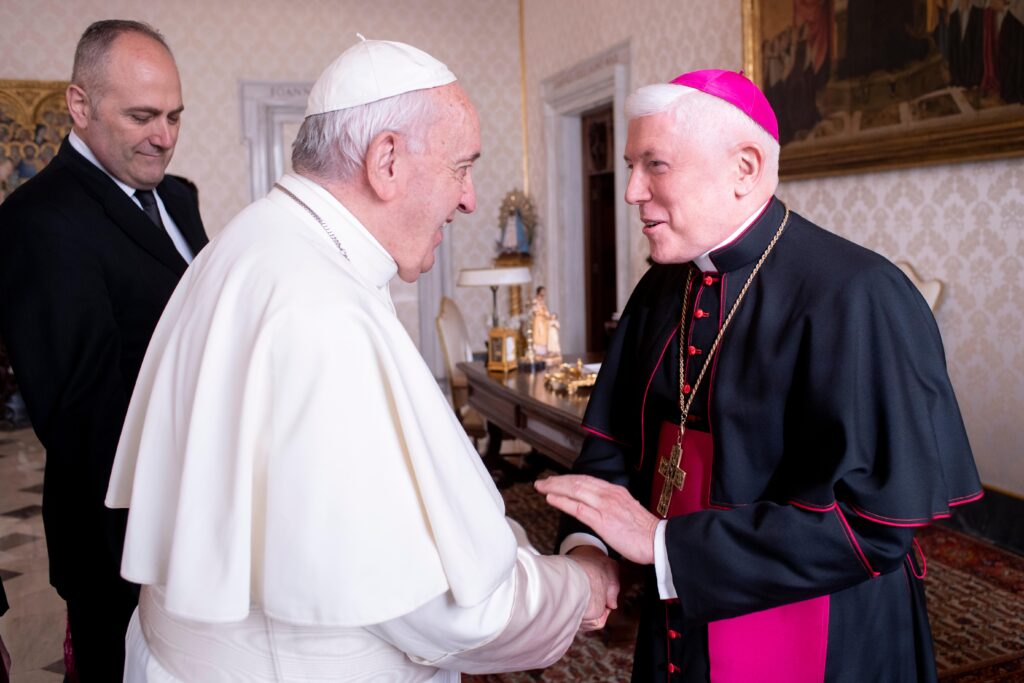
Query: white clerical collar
x=704 y=260
x=366 y=254
x=83 y=149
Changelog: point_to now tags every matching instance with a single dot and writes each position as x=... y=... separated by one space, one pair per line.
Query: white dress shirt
x=172 y=228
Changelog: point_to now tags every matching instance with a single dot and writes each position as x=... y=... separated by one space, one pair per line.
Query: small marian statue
x=554 y=345
x=545 y=328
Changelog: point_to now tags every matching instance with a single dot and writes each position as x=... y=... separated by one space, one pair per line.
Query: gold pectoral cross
x=675 y=476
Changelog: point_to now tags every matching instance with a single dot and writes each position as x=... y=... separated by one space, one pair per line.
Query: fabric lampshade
x=493 y=278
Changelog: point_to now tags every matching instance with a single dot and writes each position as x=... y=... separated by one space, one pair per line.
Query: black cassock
x=832 y=432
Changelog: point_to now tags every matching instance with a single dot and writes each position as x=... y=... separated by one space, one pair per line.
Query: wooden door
x=598 y=224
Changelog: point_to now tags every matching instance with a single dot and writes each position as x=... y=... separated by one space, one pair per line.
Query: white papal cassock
x=303 y=503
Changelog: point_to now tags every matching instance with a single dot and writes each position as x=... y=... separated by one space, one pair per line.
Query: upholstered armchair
x=451 y=328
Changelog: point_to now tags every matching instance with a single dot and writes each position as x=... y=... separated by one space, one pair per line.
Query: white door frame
x=266 y=108
x=598 y=80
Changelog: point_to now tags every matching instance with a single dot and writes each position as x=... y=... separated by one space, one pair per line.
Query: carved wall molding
x=597 y=80
x=267 y=108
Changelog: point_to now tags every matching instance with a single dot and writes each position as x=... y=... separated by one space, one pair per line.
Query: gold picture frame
x=866 y=117
x=34 y=120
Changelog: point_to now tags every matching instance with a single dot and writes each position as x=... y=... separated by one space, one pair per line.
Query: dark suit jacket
x=84 y=277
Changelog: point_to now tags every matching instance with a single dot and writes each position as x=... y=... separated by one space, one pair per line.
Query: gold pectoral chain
x=671 y=467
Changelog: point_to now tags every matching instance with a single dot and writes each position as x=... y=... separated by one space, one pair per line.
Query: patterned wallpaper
x=960 y=223
x=218 y=44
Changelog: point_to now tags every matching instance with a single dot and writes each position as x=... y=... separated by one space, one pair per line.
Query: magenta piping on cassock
x=708 y=503
x=853 y=541
x=812 y=507
x=922 y=521
x=924 y=561
x=834 y=507
x=897 y=522
x=711 y=385
x=601 y=435
x=970 y=498
x=892 y=521
x=643 y=404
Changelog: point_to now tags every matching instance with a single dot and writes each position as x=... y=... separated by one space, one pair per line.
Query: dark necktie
x=148 y=202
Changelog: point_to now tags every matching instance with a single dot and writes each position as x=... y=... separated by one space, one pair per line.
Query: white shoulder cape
x=287 y=446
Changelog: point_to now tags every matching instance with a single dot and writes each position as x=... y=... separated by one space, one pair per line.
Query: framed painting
x=861 y=85
x=33 y=120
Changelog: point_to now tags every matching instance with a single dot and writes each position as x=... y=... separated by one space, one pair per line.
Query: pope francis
x=303 y=503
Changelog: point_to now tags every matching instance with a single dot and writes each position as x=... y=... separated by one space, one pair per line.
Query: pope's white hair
x=333 y=145
x=700 y=116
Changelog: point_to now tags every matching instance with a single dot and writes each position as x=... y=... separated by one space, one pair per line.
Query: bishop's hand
x=608 y=509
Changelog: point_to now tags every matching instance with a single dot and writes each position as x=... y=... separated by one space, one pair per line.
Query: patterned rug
x=976 y=607
x=975 y=604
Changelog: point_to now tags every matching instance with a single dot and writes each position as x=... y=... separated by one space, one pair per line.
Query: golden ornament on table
x=501 y=349
x=569 y=379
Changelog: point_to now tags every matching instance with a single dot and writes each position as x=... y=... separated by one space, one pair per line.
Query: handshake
x=603 y=573
x=620 y=521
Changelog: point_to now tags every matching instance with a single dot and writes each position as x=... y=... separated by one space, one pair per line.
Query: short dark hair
x=94 y=48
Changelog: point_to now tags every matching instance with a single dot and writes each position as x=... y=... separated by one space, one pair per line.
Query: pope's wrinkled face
x=132 y=117
x=441 y=181
x=681 y=184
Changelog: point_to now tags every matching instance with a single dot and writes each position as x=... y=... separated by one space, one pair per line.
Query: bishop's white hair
x=333 y=145
x=700 y=116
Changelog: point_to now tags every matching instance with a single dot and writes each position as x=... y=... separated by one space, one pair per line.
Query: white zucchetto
x=373 y=70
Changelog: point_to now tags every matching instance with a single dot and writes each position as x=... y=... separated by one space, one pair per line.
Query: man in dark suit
x=90 y=250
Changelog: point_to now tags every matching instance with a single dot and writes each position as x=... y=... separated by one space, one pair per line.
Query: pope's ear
x=78 y=105
x=749 y=158
x=381 y=165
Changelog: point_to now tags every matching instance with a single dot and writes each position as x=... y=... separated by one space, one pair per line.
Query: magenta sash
x=785 y=644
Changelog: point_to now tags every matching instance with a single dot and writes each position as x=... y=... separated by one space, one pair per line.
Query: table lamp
x=501 y=342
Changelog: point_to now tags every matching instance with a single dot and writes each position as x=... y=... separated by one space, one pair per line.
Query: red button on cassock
x=699 y=314
x=708 y=280
x=673 y=634
x=672 y=668
x=687 y=389
x=693 y=350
